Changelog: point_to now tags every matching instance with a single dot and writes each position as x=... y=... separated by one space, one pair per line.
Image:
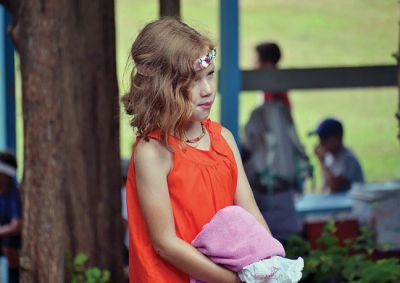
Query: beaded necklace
x=196 y=139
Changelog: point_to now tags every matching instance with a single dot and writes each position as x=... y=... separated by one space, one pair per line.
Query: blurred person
x=10 y=214
x=274 y=158
x=339 y=165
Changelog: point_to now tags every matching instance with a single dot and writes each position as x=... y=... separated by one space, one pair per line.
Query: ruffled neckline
x=217 y=144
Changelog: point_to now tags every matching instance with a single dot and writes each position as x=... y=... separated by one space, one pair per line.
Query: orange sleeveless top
x=200 y=183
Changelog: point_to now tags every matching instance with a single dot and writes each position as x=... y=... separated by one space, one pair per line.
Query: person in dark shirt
x=339 y=165
x=10 y=214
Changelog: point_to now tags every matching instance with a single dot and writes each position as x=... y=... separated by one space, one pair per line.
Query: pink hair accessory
x=205 y=61
x=200 y=64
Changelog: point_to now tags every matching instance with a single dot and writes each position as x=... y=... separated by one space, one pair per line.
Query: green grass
x=310 y=33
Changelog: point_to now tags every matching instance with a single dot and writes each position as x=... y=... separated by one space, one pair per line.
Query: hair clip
x=205 y=61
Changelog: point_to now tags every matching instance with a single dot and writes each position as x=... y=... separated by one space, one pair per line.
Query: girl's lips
x=206 y=105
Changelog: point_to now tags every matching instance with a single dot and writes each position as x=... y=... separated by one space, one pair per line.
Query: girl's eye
x=210 y=74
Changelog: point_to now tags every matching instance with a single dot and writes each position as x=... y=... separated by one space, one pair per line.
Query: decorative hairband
x=205 y=61
x=199 y=64
x=7 y=170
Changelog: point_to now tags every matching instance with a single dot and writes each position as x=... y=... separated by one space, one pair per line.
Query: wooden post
x=170 y=8
x=229 y=75
x=7 y=88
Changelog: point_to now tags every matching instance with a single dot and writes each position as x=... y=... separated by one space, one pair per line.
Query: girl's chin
x=199 y=118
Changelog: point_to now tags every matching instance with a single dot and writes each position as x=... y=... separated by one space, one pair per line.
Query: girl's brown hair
x=159 y=95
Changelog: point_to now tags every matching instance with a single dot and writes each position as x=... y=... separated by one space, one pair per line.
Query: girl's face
x=203 y=94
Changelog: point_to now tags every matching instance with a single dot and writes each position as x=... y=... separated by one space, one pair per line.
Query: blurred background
x=311 y=34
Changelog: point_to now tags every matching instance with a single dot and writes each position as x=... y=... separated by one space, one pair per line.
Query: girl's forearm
x=189 y=260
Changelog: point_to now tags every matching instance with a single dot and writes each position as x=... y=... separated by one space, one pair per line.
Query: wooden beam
x=313 y=78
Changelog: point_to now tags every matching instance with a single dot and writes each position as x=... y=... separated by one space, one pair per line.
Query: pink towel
x=234 y=239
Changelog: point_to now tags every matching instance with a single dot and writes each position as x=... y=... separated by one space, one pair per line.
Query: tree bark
x=170 y=8
x=72 y=176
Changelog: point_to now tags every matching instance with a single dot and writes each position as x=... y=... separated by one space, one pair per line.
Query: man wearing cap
x=339 y=165
x=10 y=214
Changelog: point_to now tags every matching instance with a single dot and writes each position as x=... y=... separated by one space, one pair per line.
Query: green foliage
x=350 y=262
x=79 y=273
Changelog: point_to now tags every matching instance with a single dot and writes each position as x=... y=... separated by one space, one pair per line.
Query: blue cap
x=329 y=127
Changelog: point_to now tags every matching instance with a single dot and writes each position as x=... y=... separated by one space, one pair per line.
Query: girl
x=184 y=167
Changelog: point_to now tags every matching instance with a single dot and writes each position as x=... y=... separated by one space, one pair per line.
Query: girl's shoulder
x=227 y=134
x=230 y=140
x=149 y=152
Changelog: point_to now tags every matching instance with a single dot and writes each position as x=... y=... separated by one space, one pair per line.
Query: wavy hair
x=164 y=53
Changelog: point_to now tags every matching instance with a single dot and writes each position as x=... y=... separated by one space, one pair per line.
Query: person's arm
x=152 y=165
x=335 y=183
x=11 y=229
x=244 y=196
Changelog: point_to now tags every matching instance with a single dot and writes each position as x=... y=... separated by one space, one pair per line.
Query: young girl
x=184 y=167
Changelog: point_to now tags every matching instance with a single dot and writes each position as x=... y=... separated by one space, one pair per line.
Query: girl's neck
x=193 y=130
x=197 y=136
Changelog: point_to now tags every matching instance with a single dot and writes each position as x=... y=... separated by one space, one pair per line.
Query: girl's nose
x=207 y=89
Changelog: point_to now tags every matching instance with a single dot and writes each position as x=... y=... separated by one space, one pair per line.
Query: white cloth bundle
x=273 y=270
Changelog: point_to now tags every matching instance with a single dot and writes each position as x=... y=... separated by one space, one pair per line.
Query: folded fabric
x=235 y=239
x=273 y=270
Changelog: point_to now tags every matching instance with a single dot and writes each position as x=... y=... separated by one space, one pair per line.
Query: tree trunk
x=170 y=8
x=72 y=176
